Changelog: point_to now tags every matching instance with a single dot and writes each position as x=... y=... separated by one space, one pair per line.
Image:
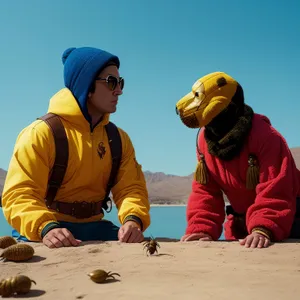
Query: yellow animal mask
x=210 y=95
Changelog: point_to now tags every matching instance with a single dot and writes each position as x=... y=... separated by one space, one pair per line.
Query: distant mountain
x=296 y=155
x=162 y=188
x=166 y=188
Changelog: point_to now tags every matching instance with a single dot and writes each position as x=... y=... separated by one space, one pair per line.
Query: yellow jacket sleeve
x=130 y=192
x=26 y=182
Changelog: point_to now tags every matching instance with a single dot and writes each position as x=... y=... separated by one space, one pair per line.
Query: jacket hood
x=64 y=104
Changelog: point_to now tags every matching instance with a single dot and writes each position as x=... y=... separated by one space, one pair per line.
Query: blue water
x=166 y=222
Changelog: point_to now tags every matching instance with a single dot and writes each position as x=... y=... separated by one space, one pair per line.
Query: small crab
x=100 y=276
x=151 y=246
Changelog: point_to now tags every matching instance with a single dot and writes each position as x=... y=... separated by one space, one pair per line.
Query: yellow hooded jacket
x=86 y=176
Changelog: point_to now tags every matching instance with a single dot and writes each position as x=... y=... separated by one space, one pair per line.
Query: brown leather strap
x=61 y=156
x=115 y=145
x=79 y=209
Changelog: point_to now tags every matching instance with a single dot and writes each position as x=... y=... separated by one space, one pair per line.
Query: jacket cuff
x=135 y=219
x=263 y=231
x=49 y=227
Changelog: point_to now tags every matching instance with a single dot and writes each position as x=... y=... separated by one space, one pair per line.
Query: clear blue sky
x=164 y=46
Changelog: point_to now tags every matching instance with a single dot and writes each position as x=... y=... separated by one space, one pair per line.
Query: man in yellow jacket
x=91 y=93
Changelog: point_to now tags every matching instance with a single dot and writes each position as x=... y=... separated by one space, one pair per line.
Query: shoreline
x=169 y=205
x=163 y=205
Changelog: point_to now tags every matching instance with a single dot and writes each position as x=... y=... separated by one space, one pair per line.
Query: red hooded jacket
x=272 y=205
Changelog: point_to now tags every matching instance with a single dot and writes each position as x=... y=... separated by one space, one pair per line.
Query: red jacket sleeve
x=205 y=208
x=275 y=202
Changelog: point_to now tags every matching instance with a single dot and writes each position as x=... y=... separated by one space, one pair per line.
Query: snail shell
x=18 y=252
x=100 y=276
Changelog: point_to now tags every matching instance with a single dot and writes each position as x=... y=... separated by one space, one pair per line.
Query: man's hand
x=60 y=237
x=196 y=236
x=255 y=240
x=130 y=232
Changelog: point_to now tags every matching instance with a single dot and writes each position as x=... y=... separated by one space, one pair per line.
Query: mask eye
x=197 y=94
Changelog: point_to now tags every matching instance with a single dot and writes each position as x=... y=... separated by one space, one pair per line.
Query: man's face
x=104 y=100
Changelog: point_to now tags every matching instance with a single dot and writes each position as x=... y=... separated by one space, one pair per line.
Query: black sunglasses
x=112 y=82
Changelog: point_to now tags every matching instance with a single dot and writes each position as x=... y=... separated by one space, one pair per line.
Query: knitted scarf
x=226 y=134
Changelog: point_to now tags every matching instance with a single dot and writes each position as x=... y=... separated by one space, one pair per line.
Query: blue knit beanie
x=81 y=67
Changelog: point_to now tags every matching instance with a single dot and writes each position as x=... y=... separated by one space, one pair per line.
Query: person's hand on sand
x=255 y=240
x=130 y=232
x=60 y=237
x=201 y=236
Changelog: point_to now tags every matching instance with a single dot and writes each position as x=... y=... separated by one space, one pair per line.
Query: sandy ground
x=193 y=270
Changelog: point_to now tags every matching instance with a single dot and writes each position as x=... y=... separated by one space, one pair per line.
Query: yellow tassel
x=201 y=174
x=252 y=173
